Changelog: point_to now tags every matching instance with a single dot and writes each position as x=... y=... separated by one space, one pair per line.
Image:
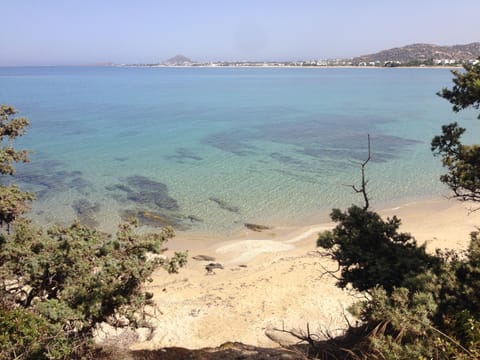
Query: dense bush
x=418 y=306
x=25 y=335
x=371 y=252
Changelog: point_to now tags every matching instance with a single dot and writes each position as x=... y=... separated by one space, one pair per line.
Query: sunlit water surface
x=209 y=149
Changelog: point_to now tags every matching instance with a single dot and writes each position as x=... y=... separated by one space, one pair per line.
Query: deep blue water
x=208 y=149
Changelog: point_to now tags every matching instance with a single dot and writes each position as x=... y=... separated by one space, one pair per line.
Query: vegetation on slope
x=421 y=53
x=57 y=285
x=418 y=306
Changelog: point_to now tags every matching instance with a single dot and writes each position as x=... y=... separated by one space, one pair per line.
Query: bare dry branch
x=363 y=186
x=330 y=272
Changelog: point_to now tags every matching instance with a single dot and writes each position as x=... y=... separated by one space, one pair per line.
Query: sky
x=78 y=32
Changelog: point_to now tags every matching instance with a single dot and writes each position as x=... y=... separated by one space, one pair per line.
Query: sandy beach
x=277 y=282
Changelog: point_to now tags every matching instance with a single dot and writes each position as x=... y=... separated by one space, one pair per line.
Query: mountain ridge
x=178 y=60
x=420 y=52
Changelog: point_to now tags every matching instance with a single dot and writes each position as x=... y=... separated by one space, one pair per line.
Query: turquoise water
x=208 y=149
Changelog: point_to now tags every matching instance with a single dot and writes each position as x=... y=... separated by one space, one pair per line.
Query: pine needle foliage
x=57 y=285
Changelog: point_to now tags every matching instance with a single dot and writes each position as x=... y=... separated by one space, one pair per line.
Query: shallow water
x=209 y=149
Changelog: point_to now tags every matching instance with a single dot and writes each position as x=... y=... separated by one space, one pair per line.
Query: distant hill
x=178 y=60
x=424 y=53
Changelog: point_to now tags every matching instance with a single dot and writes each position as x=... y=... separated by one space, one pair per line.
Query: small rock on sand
x=210 y=267
x=203 y=258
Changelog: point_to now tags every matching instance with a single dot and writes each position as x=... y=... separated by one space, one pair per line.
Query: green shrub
x=25 y=335
x=371 y=252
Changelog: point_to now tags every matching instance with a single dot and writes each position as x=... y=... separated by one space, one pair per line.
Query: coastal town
x=313 y=63
x=415 y=55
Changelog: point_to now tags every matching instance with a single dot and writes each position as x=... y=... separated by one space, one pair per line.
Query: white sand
x=282 y=285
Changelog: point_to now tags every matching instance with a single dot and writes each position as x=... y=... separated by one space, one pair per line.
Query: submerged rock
x=49 y=182
x=224 y=205
x=150 y=203
x=194 y=218
x=146 y=192
x=147 y=217
x=182 y=155
x=142 y=183
x=80 y=184
x=203 y=258
x=86 y=212
x=256 y=227
x=118 y=187
x=153 y=199
x=154 y=219
x=46 y=177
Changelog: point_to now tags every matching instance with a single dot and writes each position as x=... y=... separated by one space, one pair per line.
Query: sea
x=207 y=150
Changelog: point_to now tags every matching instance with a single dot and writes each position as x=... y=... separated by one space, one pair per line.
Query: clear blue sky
x=42 y=32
